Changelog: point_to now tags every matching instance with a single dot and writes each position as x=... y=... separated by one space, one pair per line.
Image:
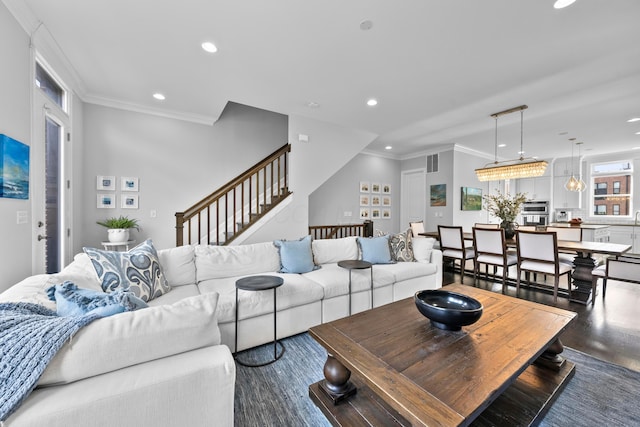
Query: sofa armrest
x=436 y=258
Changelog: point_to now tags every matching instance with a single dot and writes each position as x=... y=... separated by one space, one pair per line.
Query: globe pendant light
x=581 y=184
x=572 y=184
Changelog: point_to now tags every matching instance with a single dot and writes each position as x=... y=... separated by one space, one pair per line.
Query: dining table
x=583 y=262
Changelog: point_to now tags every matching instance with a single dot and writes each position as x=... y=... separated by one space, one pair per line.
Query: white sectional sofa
x=171 y=363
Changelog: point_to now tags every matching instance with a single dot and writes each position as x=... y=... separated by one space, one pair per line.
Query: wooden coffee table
x=503 y=370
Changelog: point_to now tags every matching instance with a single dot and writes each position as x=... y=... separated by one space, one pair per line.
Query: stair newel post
x=179 y=228
x=368 y=228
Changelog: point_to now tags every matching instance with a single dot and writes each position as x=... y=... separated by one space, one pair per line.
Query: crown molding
x=171 y=114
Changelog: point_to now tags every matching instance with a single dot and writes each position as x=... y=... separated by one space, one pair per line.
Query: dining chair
x=538 y=253
x=485 y=225
x=624 y=269
x=490 y=248
x=572 y=234
x=453 y=247
x=417 y=227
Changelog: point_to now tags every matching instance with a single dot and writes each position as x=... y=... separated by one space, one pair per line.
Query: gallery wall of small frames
x=109 y=192
x=375 y=200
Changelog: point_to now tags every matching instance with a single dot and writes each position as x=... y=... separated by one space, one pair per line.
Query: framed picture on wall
x=365 y=187
x=386 y=188
x=386 y=213
x=438 y=195
x=106 y=201
x=375 y=200
x=364 y=200
x=106 y=183
x=129 y=183
x=364 y=213
x=129 y=201
x=375 y=213
x=386 y=201
x=375 y=187
x=471 y=199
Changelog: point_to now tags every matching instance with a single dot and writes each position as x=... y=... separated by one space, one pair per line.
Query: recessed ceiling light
x=366 y=25
x=637 y=133
x=635 y=119
x=636 y=148
x=521 y=152
x=388 y=147
x=502 y=145
x=372 y=102
x=209 y=47
x=560 y=4
x=563 y=133
x=159 y=96
x=312 y=104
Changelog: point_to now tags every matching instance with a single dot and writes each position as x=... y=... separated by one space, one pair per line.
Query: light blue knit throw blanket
x=30 y=336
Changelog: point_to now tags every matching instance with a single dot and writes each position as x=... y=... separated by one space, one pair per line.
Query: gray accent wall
x=15 y=122
x=177 y=162
x=339 y=196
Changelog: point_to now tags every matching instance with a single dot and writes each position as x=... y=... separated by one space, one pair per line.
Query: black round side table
x=356 y=264
x=260 y=283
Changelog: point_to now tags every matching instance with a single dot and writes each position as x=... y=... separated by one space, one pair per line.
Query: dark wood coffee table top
x=436 y=377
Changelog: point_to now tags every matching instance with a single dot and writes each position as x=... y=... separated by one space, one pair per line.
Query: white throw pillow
x=326 y=251
x=178 y=265
x=133 y=337
x=422 y=248
x=214 y=262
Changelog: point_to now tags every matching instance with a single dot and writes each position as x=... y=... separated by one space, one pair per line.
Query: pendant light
x=572 y=184
x=511 y=169
x=581 y=184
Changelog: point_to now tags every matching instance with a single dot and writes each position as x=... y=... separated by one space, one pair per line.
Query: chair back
x=527 y=228
x=537 y=246
x=625 y=269
x=417 y=227
x=451 y=237
x=484 y=225
x=572 y=234
x=489 y=241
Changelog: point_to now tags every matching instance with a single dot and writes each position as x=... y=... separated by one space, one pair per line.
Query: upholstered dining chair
x=485 y=225
x=538 y=253
x=453 y=246
x=490 y=248
x=624 y=269
x=417 y=227
x=572 y=234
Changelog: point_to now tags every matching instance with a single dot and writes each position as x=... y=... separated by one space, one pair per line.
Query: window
x=601 y=210
x=612 y=188
x=616 y=187
x=432 y=163
x=49 y=86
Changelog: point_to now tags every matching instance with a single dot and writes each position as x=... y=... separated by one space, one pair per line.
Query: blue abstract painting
x=14 y=168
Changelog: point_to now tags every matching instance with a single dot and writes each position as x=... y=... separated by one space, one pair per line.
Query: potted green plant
x=118 y=229
x=507 y=208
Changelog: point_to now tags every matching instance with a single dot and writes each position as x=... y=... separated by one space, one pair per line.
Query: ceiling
x=438 y=69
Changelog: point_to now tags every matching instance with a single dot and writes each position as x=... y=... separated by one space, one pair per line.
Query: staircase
x=222 y=216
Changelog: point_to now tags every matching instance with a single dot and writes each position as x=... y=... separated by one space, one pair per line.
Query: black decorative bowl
x=448 y=310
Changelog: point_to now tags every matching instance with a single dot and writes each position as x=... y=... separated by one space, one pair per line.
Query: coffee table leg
x=551 y=357
x=336 y=384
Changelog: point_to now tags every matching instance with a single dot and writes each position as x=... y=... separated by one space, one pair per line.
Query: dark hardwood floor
x=608 y=330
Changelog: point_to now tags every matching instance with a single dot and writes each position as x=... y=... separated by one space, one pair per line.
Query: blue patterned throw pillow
x=138 y=270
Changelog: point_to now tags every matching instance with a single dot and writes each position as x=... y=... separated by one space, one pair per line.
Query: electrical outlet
x=347 y=213
x=22 y=217
x=153 y=213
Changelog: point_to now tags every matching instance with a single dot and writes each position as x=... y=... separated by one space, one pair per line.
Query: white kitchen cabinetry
x=600 y=234
x=535 y=188
x=626 y=235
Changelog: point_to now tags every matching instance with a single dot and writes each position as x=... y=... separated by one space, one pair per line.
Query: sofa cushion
x=326 y=251
x=400 y=245
x=375 y=249
x=295 y=255
x=178 y=265
x=422 y=248
x=137 y=270
x=296 y=290
x=126 y=339
x=213 y=262
x=406 y=270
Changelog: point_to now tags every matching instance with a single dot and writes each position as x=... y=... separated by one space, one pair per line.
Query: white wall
x=341 y=193
x=177 y=162
x=15 y=114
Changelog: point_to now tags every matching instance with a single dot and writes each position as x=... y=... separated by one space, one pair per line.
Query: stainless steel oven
x=535 y=212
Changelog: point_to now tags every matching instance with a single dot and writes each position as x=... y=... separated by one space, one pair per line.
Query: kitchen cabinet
x=626 y=235
x=536 y=188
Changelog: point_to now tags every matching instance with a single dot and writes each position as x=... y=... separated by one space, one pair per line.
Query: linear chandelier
x=511 y=169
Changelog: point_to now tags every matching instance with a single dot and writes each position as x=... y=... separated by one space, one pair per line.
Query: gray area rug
x=599 y=394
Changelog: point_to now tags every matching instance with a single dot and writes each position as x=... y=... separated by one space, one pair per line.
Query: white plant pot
x=118 y=235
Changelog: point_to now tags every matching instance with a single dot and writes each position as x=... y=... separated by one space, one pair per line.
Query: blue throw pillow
x=138 y=270
x=295 y=256
x=375 y=250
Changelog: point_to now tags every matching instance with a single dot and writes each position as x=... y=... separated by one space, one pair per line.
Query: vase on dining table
x=509 y=228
